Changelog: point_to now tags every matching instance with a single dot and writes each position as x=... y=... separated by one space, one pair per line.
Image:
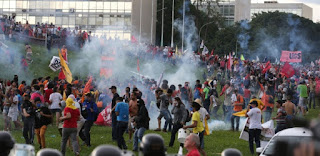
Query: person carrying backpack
x=92 y=113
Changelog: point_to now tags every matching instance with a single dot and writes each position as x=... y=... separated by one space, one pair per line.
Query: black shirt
x=115 y=96
x=42 y=120
x=27 y=105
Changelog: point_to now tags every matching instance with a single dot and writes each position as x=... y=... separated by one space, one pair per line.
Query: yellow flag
x=65 y=69
x=240 y=114
x=242 y=58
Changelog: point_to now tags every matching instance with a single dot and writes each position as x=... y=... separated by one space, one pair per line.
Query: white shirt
x=203 y=112
x=254 y=118
x=55 y=99
x=77 y=105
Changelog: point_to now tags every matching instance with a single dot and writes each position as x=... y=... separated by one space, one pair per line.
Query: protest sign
x=291 y=56
x=266 y=133
x=55 y=63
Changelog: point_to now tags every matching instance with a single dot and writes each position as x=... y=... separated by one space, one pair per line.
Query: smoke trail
x=243 y=36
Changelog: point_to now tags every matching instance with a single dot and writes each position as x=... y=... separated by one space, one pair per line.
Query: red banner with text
x=291 y=56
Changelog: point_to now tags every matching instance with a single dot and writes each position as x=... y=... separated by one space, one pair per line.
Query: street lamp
x=162 y=21
x=172 y=23
x=201 y=29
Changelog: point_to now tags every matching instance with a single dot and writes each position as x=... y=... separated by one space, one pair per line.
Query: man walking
x=254 y=115
x=92 y=110
x=113 y=114
x=29 y=119
x=122 y=112
x=237 y=107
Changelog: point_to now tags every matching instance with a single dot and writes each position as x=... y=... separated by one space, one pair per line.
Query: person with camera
x=254 y=115
x=29 y=119
x=92 y=111
x=165 y=100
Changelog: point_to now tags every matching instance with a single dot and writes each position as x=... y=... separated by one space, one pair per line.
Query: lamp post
x=172 y=23
x=151 y=31
x=162 y=24
x=184 y=12
x=201 y=29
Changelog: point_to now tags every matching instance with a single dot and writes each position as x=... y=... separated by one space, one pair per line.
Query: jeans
x=40 y=133
x=137 y=137
x=87 y=126
x=174 y=131
x=237 y=121
x=114 y=126
x=206 y=104
x=267 y=114
x=215 y=111
x=72 y=133
x=228 y=113
x=167 y=116
x=312 y=99
x=28 y=130
x=254 y=134
x=121 y=128
x=246 y=102
x=201 y=135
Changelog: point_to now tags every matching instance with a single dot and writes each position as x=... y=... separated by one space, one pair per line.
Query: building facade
x=299 y=9
x=114 y=18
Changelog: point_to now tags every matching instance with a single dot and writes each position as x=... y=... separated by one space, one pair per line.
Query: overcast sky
x=314 y=4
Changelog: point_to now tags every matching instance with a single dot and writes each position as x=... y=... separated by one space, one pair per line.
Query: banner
x=291 y=56
x=65 y=69
x=55 y=63
x=104 y=118
x=267 y=132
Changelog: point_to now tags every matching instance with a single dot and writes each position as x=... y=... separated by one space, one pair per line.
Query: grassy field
x=214 y=143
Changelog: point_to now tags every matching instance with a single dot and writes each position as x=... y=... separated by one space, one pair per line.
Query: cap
x=113 y=87
x=254 y=102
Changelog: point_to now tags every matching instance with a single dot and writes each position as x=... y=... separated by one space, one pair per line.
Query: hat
x=70 y=103
x=254 y=102
x=113 y=87
x=198 y=101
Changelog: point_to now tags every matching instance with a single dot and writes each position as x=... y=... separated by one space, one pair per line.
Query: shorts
x=5 y=110
x=302 y=102
x=53 y=111
x=14 y=117
x=130 y=125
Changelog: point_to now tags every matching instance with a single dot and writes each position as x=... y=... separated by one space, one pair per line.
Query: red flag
x=212 y=51
x=268 y=66
x=87 y=86
x=138 y=65
x=287 y=70
x=134 y=40
x=61 y=75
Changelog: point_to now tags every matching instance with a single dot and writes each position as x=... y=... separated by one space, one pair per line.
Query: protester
x=70 y=117
x=133 y=112
x=14 y=109
x=54 y=105
x=92 y=111
x=114 y=117
x=122 y=112
x=140 y=122
x=29 y=119
x=303 y=95
x=254 y=115
x=281 y=117
x=165 y=100
x=180 y=114
x=192 y=144
x=42 y=120
x=237 y=103
x=290 y=110
x=227 y=106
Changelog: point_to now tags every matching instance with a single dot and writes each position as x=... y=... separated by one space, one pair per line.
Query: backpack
x=188 y=116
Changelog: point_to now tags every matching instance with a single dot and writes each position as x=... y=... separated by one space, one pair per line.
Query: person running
x=92 y=109
x=70 y=117
x=42 y=120
x=255 y=127
x=54 y=104
x=28 y=122
x=122 y=112
x=180 y=114
x=165 y=100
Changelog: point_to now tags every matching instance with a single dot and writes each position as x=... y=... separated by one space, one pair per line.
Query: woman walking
x=180 y=115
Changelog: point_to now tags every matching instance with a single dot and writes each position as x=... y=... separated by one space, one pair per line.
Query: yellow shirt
x=196 y=117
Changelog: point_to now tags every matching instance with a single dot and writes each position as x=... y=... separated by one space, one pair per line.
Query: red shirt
x=247 y=93
x=35 y=95
x=72 y=122
x=48 y=92
x=194 y=152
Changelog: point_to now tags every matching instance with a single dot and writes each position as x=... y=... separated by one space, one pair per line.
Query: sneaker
x=164 y=130
x=158 y=129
